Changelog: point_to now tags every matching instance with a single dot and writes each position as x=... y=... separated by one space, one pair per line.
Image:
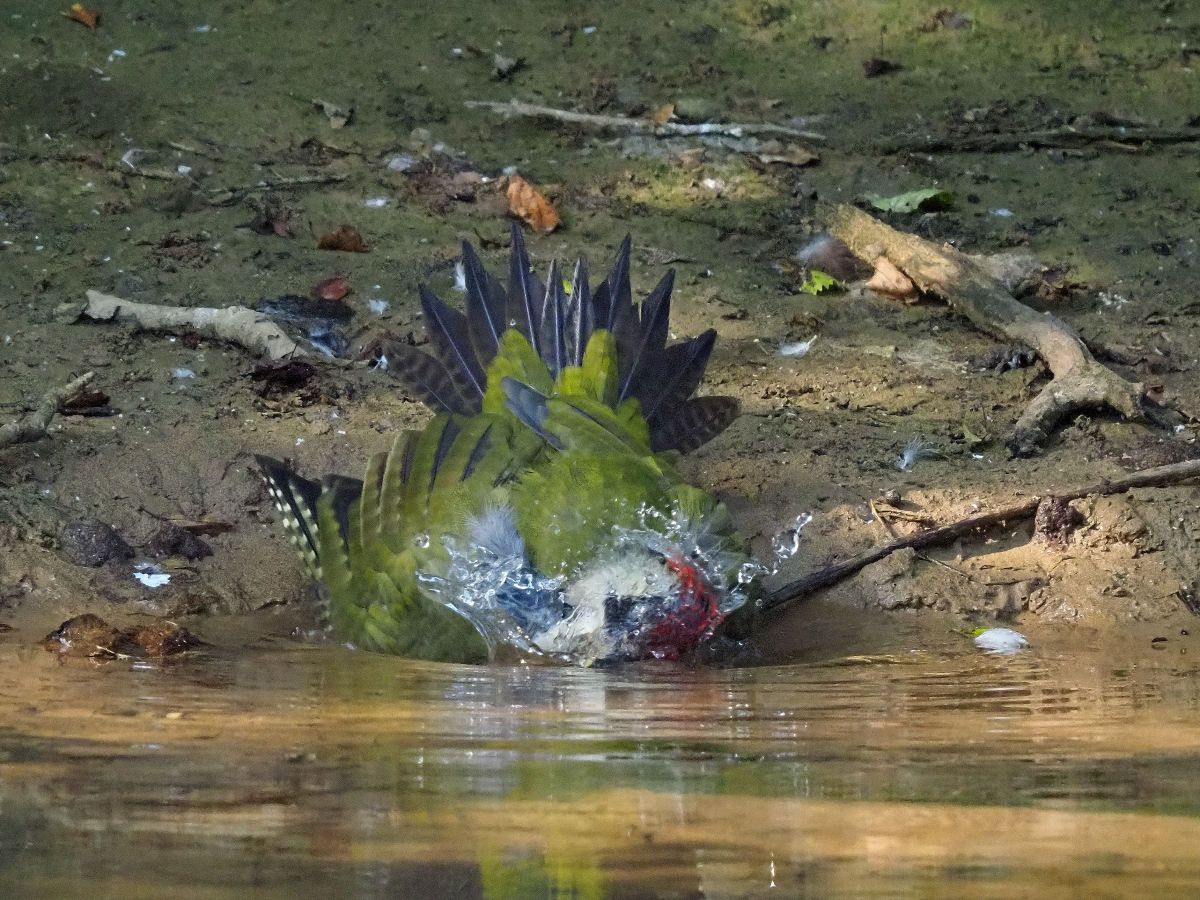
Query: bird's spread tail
x=558 y=326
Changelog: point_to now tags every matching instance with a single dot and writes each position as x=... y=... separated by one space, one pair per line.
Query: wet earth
x=177 y=157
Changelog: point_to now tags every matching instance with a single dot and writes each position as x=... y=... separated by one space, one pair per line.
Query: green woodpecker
x=540 y=511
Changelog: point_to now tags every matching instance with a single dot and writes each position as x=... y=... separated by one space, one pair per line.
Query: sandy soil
x=153 y=157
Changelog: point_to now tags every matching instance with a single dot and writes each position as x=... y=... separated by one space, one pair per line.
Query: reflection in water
x=299 y=771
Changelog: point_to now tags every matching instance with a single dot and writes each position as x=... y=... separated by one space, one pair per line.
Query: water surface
x=269 y=768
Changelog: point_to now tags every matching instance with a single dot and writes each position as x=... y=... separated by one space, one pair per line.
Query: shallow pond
x=262 y=767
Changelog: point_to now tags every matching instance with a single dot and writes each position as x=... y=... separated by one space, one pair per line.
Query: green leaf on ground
x=818 y=281
x=926 y=198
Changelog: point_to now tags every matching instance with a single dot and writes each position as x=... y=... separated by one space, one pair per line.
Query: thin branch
x=1157 y=477
x=33 y=426
x=1080 y=382
x=236 y=324
x=642 y=126
x=1113 y=137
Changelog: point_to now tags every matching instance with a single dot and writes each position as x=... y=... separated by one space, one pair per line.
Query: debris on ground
x=346 y=239
x=88 y=635
x=529 y=204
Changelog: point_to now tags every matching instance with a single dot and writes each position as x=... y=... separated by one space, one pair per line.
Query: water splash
x=657 y=590
x=786 y=544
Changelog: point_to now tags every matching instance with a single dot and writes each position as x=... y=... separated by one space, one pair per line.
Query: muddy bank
x=182 y=161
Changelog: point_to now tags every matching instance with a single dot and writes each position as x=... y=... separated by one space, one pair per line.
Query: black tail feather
x=525 y=291
x=450 y=335
x=647 y=353
x=453 y=377
x=487 y=303
x=553 y=341
x=693 y=424
x=682 y=368
x=579 y=323
x=429 y=379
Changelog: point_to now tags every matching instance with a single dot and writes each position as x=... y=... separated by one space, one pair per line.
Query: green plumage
x=560 y=443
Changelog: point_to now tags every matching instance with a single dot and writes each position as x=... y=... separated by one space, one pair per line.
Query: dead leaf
x=84 y=16
x=874 y=67
x=333 y=288
x=338 y=117
x=283 y=228
x=791 y=156
x=273 y=380
x=891 y=282
x=506 y=66
x=86 y=402
x=346 y=239
x=663 y=114
x=527 y=202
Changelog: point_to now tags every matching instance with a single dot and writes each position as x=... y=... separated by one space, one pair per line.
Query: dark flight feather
x=450 y=336
x=530 y=406
x=486 y=305
x=693 y=423
x=682 y=368
x=450 y=431
x=428 y=378
x=525 y=291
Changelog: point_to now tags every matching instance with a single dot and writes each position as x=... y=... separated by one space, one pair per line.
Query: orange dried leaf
x=84 y=16
x=334 y=288
x=663 y=114
x=346 y=239
x=891 y=282
x=527 y=202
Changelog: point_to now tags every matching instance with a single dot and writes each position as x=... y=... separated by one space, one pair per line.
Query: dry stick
x=33 y=426
x=1080 y=382
x=801 y=587
x=642 y=126
x=235 y=324
x=1115 y=137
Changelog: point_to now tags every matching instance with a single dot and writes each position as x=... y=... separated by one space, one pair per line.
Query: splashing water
x=786 y=544
x=656 y=591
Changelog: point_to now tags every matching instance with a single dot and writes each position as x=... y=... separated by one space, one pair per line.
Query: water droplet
x=786 y=543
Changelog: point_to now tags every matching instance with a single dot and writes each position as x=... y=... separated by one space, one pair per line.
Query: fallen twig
x=1079 y=382
x=235 y=324
x=642 y=126
x=946 y=534
x=33 y=426
x=1115 y=137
